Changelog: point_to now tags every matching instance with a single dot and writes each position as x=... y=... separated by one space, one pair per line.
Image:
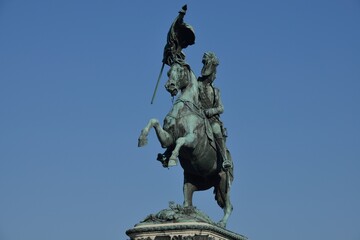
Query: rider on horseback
x=212 y=105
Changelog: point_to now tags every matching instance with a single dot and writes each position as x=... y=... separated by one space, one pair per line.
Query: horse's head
x=179 y=78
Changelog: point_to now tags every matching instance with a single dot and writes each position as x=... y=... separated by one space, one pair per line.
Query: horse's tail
x=222 y=189
x=219 y=197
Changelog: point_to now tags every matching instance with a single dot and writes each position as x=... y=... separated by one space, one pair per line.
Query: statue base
x=182 y=231
x=179 y=223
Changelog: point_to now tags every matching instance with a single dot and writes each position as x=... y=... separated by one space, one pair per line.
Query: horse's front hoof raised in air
x=172 y=162
x=142 y=141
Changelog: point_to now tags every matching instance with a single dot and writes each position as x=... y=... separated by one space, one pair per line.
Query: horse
x=187 y=136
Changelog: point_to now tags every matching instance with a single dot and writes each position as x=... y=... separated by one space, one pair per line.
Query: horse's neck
x=191 y=92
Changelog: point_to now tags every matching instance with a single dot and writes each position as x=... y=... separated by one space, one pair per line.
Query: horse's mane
x=192 y=80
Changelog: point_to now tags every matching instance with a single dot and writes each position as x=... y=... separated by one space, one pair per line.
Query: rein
x=193 y=109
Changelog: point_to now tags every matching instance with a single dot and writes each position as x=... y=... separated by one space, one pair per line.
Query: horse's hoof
x=221 y=224
x=189 y=210
x=172 y=162
x=142 y=141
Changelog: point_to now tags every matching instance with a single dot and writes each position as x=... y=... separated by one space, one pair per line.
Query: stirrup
x=162 y=158
x=227 y=165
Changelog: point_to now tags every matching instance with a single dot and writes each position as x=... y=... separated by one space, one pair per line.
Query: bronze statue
x=187 y=132
x=192 y=131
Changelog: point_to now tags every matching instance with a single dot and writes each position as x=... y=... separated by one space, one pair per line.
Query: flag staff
x=157 y=83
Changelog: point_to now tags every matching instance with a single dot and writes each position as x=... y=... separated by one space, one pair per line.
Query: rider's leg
x=220 y=142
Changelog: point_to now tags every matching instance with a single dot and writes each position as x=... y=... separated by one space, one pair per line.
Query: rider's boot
x=226 y=164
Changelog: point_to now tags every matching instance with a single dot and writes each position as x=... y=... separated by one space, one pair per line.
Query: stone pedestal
x=180 y=223
x=181 y=231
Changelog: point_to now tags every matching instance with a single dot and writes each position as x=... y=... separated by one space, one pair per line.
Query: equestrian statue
x=192 y=132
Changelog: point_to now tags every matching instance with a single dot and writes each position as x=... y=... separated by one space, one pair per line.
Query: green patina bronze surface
x=192 y=132
x=177 y=213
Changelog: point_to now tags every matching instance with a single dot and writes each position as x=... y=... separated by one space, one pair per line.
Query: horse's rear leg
x=228 y=208
x=164 y=137
x=188 y=190
x=223 y=197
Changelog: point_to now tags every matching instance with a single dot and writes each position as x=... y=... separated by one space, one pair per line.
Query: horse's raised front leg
x=164 y=137
x=187 y=140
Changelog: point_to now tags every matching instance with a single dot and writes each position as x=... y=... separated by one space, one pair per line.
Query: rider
x=212 y=105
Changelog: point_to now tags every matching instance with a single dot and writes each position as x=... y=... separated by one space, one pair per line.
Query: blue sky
x=76 y=80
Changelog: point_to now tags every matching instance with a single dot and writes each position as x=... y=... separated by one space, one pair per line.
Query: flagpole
x=157 y=83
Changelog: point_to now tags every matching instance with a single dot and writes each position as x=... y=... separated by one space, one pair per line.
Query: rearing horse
x=186 y=134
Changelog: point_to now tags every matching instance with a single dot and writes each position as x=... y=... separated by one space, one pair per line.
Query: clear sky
x=76 y=80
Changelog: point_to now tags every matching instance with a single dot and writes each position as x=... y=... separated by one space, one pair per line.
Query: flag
x=179 y=36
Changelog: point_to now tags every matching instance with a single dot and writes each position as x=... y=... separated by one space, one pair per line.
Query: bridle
x=192 y=106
